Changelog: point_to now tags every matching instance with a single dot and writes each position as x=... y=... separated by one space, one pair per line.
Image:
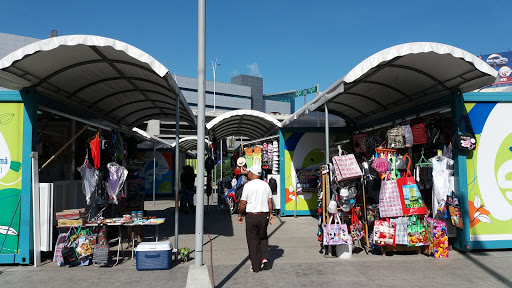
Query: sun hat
x=256 y=170
x=240 y=161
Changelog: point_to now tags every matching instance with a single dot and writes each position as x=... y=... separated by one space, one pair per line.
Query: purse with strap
x=337 y=233
x=466 y=141
x=390 y=204
x=356 y=228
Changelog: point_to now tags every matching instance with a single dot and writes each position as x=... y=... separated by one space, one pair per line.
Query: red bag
x=384 y=233
x=419 y=131
x=356 y=229
x=410 y=196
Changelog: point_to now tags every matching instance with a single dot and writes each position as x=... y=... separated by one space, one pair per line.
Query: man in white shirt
x=256 y=200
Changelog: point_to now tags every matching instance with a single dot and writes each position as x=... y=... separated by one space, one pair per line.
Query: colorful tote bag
x=356 y=229
x=439 y=234
x=384 y=233
x=337 y=233
x=346 y=167
x=390 y=204
x=401 y=237
x=417 y=232
x=454 y=209
x=410 y=195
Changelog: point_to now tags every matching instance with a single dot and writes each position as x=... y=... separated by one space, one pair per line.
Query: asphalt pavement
x=295 y=261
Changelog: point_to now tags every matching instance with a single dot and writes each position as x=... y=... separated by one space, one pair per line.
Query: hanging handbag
x=419 y=131
x=466 y=141
x=395 y=137
x=389 y=198
x=384 y=233
x=356 y=228
x=380 y=164
x=454 y=209
x=337 y=233
x=417 y=232
x=410 y=195
x=346 y=167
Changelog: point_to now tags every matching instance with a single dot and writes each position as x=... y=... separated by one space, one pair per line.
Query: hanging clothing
x=90 y=178
x=116 y=177
x=441 y=176
x=95 y=150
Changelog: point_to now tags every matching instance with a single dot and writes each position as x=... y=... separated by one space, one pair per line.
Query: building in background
x=244 y=91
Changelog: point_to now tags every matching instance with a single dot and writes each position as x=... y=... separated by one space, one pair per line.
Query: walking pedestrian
x=187 y=179
x=256 y=201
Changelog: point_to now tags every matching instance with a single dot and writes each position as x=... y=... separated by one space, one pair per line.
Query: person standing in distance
x=256 y=200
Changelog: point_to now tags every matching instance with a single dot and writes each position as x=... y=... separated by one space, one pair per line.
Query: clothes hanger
x=423 y=162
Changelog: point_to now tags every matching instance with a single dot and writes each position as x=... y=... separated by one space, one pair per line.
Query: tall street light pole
x=201 y=47
x=214 y=67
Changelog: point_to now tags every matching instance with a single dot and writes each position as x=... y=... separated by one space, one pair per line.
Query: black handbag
x=69 y=256
x=466 y=141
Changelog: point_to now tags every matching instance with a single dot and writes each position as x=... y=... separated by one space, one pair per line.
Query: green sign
x=311 y=90
x=305 y=92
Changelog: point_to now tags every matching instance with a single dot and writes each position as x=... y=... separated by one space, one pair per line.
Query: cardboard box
x=70 y=214
x=71 y=222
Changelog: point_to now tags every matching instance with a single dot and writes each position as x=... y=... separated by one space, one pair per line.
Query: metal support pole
x=201 y=63
x=177 y=175
x=327 y=188
x=154 y=172
x=220 y=163
x=326 y=134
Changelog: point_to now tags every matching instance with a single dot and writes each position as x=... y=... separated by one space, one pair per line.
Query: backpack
x=273 y=185
x=419 y=131
x=209 y=163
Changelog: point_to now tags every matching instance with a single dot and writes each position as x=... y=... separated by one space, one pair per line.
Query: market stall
x=92 y=83
x=258 y=145
x=414 y=87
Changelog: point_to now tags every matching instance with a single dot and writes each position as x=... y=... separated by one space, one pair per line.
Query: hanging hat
x=240 y=161
x=333 y=207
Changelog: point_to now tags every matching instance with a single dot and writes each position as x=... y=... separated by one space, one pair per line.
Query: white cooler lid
x=154 y=246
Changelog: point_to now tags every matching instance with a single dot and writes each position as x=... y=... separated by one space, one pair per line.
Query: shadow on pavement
x=217 y=221
x=273 y=249
x=488 y=269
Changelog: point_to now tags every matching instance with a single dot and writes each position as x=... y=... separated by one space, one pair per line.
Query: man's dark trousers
x=257 y=238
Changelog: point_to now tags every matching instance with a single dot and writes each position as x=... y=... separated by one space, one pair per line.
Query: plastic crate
x=153 y=255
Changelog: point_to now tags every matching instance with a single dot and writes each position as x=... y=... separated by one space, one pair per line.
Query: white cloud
x=235 y=72
x=254 y=70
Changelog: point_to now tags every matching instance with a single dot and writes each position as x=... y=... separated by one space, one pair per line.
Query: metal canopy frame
x=98 y=75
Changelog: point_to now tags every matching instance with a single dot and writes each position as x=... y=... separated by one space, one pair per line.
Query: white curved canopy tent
x=101 y=77
x=398 y=78
x=243 y=123
x=189 y=143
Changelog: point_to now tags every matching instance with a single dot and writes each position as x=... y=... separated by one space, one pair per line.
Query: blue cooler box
x=153 y=255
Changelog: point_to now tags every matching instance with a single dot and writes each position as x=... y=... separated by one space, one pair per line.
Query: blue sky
x=291 y=44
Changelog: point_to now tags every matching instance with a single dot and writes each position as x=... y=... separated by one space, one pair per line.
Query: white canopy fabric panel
x=399 y=78
x=242 y=123
x=107 y=78
x=189 y=143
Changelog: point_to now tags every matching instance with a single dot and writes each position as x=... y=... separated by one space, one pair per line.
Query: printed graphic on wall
x=164 y=173
x=11 y=143
x=304 y=153
x=500 y=62
x=489 y=172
